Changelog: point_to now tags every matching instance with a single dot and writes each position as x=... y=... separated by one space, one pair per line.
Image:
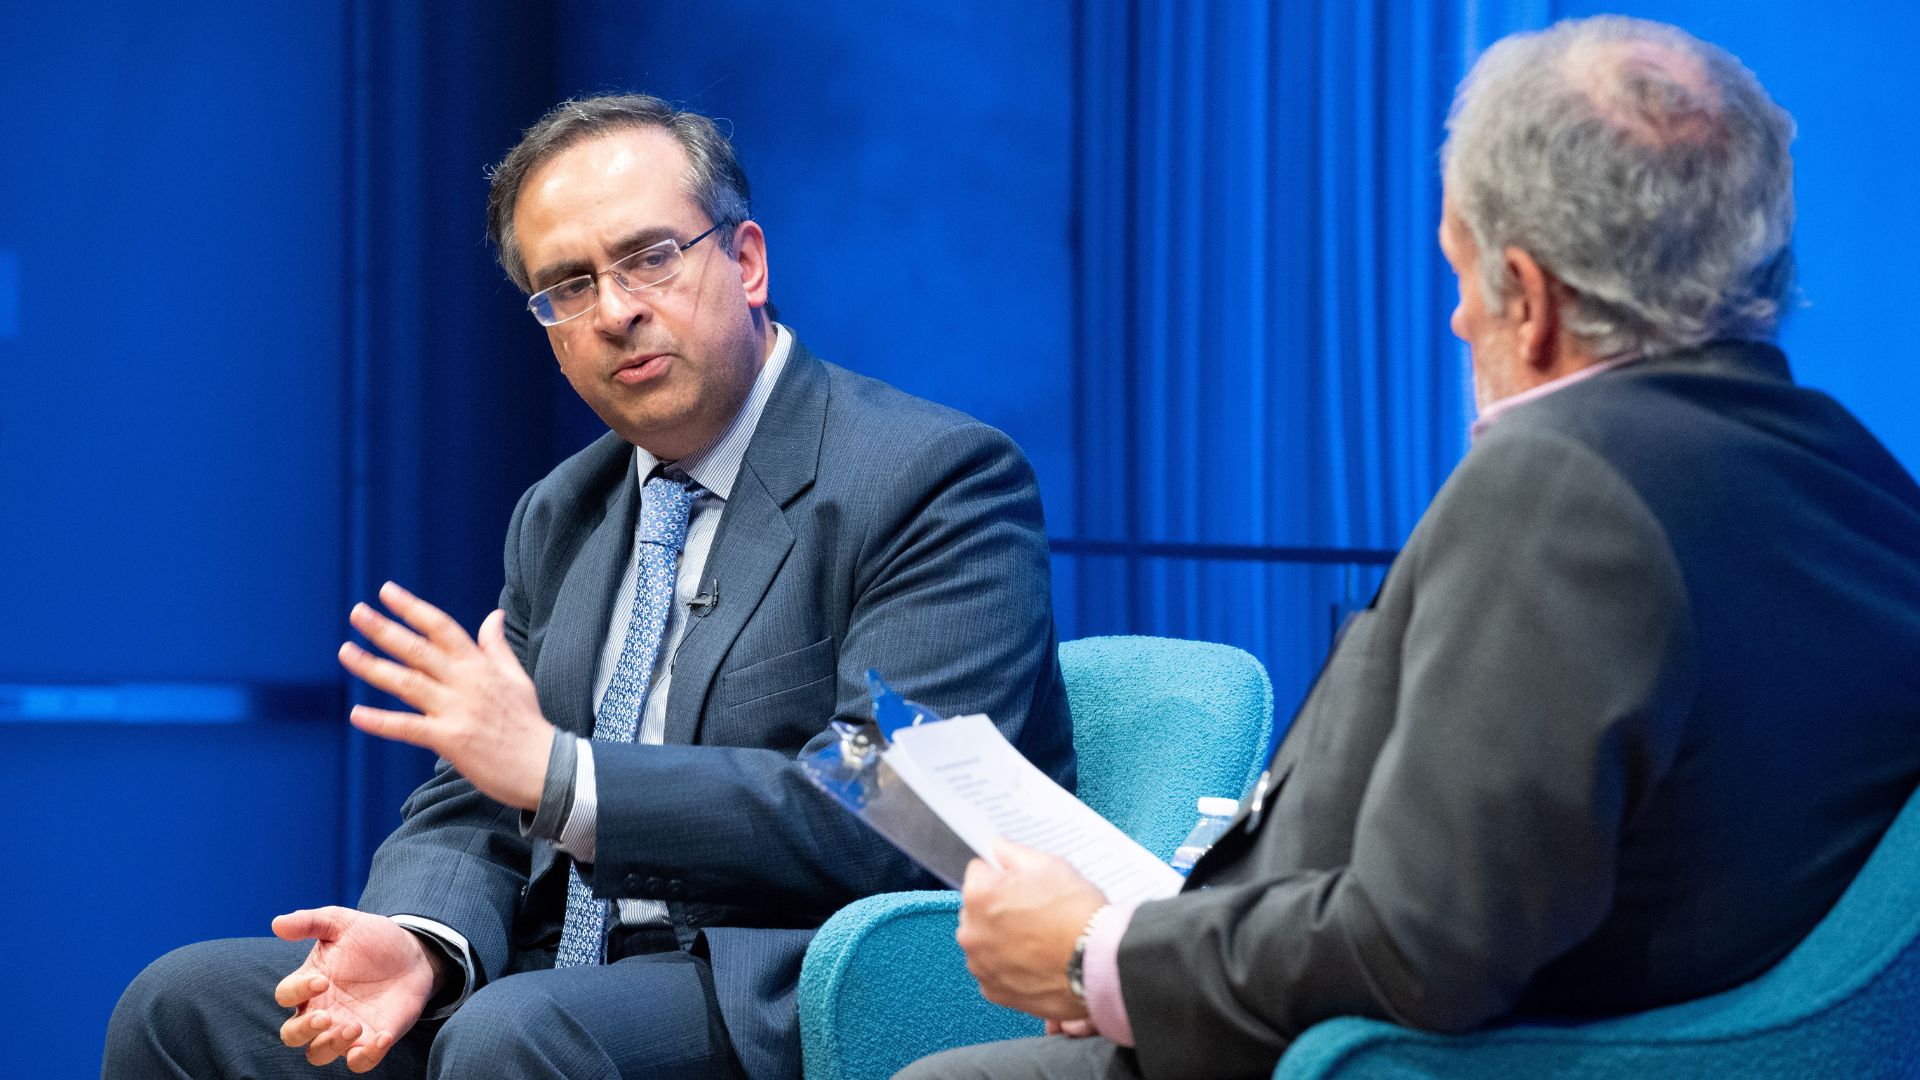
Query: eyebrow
x=639 y=238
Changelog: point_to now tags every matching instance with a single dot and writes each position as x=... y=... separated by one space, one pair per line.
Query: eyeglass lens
x=577 y=295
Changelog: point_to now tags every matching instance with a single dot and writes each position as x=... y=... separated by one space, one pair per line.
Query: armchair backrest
x=1158 y=723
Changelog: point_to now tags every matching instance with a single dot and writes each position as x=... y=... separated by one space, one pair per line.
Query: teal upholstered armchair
x=1157 y=723
x=1845 y=1002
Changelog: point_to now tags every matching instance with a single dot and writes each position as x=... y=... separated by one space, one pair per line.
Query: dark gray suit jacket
x=866 y=529
x=1628 y=713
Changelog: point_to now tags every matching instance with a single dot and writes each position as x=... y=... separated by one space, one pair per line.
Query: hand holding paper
x=1018 y=923
x=1032 y=862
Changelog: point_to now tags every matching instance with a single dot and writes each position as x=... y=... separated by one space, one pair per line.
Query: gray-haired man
x=1636 y=700
x=700 y=590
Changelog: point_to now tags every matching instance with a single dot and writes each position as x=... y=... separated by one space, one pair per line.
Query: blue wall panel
x=133 y=839
x=171 y=461
x=170 y=451
x=250 y=372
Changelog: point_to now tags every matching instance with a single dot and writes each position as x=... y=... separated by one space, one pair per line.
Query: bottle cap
x=1214 y=806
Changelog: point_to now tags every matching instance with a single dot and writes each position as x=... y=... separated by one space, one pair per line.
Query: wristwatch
x=1077 y=968
x=1077 y=963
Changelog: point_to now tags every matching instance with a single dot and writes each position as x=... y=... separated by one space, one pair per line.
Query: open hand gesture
x=477 y=705
x=360 y=989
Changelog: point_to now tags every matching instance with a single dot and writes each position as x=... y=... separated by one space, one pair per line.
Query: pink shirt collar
x=1495 y=411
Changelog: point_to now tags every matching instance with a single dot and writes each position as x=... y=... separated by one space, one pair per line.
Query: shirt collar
x=716 y=467
x=1492 y=413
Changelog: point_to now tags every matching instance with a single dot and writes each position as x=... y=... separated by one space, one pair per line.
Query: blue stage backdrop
x=255 y=358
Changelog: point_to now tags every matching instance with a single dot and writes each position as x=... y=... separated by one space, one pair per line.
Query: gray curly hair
x=1646 y=170
x=714 y=179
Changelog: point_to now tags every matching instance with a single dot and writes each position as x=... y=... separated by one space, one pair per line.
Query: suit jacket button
x=677 y=890
x=632 y=884
x=654 y=885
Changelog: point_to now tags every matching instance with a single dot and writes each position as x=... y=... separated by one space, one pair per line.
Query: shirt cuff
x=546 y=820
x=577 y=835
x=453 y=945
x=1100 y=972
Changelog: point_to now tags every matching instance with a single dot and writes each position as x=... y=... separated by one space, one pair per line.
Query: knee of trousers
x=505 y=1026
x=176 y=1009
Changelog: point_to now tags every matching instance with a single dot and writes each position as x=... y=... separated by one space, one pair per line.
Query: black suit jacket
x=1628 y=713
x=866 y=529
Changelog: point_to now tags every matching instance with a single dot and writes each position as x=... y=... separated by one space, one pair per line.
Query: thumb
x=325 y=924
x=1012 y=856
x=976 y=875
x=493 y=637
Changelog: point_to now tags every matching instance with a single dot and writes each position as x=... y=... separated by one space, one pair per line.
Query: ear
x=1532 y=309
x=750 y=252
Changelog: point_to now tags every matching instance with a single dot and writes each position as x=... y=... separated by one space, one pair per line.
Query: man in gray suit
x=701 y=590
x=1636 y=700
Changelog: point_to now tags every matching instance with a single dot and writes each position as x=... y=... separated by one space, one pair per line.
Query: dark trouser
x=207 y=1011
x=1053 y=1057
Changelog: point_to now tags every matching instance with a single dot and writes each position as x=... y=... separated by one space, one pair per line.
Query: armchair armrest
x=884 y=984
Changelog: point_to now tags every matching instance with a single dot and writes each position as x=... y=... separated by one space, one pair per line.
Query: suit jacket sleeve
x=950 y=599
x=1538 y=650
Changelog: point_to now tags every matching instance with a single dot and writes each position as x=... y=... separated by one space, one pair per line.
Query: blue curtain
x=453 y=405
x=1267 y=393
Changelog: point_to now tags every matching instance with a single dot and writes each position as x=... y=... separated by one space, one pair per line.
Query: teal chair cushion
x=1157 y=723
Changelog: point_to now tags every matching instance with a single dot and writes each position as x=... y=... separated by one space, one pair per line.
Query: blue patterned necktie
x=664 y=506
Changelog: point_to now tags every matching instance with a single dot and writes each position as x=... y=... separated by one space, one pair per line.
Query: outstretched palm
x=361 y=988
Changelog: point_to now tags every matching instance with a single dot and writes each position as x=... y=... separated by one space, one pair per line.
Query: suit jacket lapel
x=754 y=537
x=571 y=653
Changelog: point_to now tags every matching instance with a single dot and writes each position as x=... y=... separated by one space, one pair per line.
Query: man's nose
x=618 y=309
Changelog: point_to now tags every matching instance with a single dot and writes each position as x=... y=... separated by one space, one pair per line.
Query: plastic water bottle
x=1215 y=815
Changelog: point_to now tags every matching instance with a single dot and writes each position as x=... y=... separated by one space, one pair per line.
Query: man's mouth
x=642 y=368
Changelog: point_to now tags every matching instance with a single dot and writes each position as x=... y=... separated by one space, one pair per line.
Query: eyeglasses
x=576 y=296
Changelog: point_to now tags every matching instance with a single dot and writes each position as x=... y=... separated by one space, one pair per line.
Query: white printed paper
x=967 y=773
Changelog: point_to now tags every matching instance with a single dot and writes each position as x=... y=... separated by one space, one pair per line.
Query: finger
x=299 y=988
x=333 y=1043
x=440 y=627
x=405 y=683
x=327 y=1046
x=399 y=642
x=367 y=1055
x=403 y=727
x=973 y=932
x=324 y=923
x=301 y=1030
